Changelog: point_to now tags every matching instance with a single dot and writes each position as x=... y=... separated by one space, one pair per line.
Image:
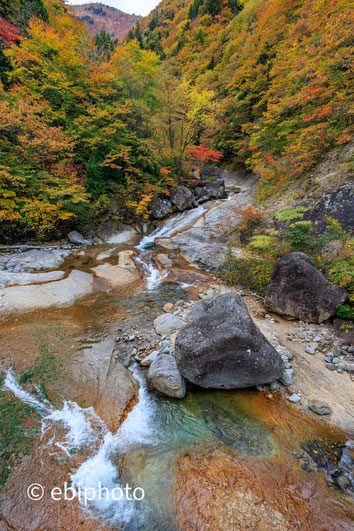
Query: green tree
x=29 y=9
x=105 y=44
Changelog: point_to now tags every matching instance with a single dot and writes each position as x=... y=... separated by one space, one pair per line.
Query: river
x=214 y=460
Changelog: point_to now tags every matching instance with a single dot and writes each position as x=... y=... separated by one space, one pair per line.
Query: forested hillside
x=91 y=130
x=97 y=16
x=280 y=69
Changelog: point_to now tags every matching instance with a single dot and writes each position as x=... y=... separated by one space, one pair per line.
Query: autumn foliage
x=90 y=129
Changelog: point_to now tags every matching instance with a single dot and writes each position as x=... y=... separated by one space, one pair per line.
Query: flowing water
x=186 y=454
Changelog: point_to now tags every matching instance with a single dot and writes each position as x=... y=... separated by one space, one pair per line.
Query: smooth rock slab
x=34 y=260
x=61 y=293
x=164 y=376
x=167 y=323
x=298 y=290
x=224 y=349
x=117 y=276
x=23 y=279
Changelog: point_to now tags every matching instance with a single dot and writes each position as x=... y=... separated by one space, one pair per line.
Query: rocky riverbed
x=94 y=329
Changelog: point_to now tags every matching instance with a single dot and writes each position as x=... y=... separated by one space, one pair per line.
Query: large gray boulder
x=160 y=208
x=182 y=198
x=223 y=348
x=298 y=290
x=164 y=376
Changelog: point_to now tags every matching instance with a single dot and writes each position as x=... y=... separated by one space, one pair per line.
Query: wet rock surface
x=298 y=290
x=224 y=349
x=164 y=376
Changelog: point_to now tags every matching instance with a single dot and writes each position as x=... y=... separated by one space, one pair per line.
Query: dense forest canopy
x=91 y=129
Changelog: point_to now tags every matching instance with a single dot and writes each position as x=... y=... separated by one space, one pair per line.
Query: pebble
x=331 y=366
x=131 y=338
x=329 y=358
x=287 y=378
x=317 y=339
x=294 y=398
x=320 y=408
x=310 y=350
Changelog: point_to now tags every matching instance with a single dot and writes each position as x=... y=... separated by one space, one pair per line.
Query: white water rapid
x=83 y=428
x=181 y=221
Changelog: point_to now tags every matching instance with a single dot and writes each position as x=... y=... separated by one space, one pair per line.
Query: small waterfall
x=172 y=225
x=153 y=275
x=99 y=471
x=181 y=221
x=82 y=425
x=10 y=384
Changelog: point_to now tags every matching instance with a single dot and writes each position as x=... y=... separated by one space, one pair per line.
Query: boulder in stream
x=164 y=376
x=160 y=208
x=298 y=290
x=182 y=198
x=223 y=348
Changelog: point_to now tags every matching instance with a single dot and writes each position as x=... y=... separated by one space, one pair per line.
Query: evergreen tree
x=29 y=9
x=235 y=6
x=213 y=7
x=104 y=43
x=5 y=67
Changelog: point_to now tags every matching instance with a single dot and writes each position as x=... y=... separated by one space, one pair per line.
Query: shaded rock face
x=182 y=198
x=298 y=290
x=164 y=376
x=215 y=189
x=160 y=208
x=339 y=204
x=210 y=190
x=224 y=349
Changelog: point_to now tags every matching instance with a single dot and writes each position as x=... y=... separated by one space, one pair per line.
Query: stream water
x=193 y=458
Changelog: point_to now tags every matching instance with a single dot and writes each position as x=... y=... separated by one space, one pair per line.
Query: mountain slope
x=281 y=70
x=112 y=20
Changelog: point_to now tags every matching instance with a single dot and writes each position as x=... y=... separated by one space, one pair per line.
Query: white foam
x=172 y=225
x=153 y=275
x=99 y=471
x=10 y=384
